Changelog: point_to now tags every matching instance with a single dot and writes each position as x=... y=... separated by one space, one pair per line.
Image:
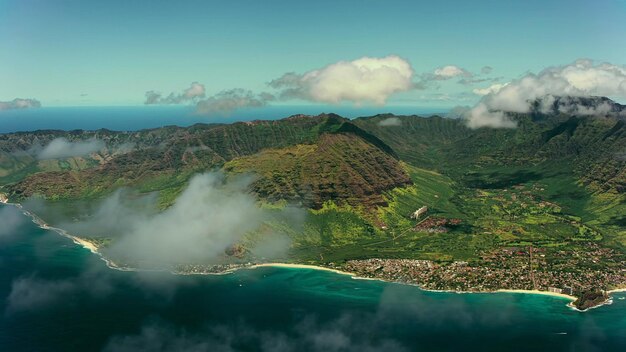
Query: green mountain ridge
x=166 y=158
x=556 y=182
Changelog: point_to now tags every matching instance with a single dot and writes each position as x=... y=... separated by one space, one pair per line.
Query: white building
x=419 y=212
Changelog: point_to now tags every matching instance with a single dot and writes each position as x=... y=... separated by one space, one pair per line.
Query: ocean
x=57 y=296
x=132 y=118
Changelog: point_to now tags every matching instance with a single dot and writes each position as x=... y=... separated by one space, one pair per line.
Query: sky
x=117 y=52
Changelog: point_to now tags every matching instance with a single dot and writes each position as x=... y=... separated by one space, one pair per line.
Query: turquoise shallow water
x=57 y=296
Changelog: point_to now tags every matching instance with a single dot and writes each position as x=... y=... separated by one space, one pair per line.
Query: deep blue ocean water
x=57 y=296
x=141 y=117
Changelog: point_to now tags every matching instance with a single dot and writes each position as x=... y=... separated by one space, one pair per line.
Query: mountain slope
x=340 y=167
x=359 y=165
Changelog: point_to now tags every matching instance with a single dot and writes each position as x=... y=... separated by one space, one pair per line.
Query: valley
x=554 y=186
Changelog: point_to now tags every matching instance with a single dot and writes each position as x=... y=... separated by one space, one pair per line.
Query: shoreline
x=94 y=249
x=539 y=292
x=302 y=266
x=356 y=277
x=616 y=290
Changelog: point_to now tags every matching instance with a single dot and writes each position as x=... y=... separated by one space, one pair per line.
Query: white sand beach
x=301 y=266
x=538 y=292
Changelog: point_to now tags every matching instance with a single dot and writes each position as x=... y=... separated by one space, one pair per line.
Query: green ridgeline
x=556 y=181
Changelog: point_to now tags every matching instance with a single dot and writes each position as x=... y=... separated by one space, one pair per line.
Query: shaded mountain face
x=314 y=159
x=558 y=180
x=340 y=167
x=581 y=106
x=342 y=161
x=591 y=147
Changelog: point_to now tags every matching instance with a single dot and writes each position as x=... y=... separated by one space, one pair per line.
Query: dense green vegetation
x=556 y=181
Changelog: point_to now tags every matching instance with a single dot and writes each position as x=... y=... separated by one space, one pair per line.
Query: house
x=419 y=212
x=555 y=290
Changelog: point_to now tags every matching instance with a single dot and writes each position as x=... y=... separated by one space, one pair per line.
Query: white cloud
x=582 y=78
x=450 y=71
x=231 y=100
x=390 y=121
x=19 y=103
x=486 y=70
x=194 y=92
x=61 y=148
x=223 y=102
x=10 y=221
x=481 y=116
x=494 y=88
x=209 y=216
x=365 y=80
x=32 y=293
x=29 y=293
x=206 y=219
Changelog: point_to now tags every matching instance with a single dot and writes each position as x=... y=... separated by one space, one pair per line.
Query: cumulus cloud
x=230 y=100
x=486 y=70
x=582 y=78
x=450 y=71
x=365 y=80
x=223 y=102
x=19 y=103
x=61 y=148
x=494 y=88
x=194 y=92
x=390 y=121
x=482 y=116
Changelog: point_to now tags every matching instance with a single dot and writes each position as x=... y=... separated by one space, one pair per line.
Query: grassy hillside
x=556 y=182
x=342 y=168
x=325 y=157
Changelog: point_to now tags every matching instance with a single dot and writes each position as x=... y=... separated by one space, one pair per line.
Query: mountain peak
x=574 y=105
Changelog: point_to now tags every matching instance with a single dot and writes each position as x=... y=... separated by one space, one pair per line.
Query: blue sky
x=99 y=53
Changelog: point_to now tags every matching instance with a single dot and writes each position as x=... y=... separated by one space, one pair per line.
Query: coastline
x=303 y=266
x=538 y=292
x=94 y=249
x=616 y=290
x=356 y=277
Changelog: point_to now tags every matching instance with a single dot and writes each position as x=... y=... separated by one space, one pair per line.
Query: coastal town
x=584 y=274
x=568 y=273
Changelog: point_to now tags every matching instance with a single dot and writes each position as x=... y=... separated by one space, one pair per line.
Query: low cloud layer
x=194 y=92
x=209 y=216
x=10 y=220
x=61 y=148
x=390 y=121
x=449 y=72
x=404 y=319
x=19 y=103
x=31 y=293
x=34 y=292
x=230 y=100
x=582 y=78
x=492 y=89
x=346 y=333
x=367 y=80
x=223 y=102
